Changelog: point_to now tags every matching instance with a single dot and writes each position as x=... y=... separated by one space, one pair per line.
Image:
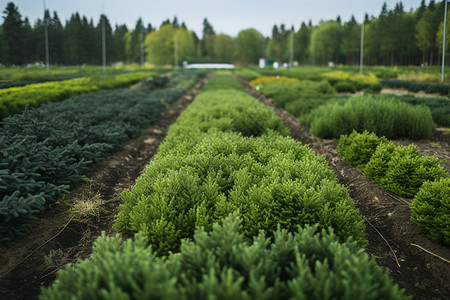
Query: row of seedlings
x=44 y=150
x=231 y=208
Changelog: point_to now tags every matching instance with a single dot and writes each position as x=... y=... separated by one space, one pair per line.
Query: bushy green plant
x=385 y=117
x=14 y=100
x=439 y=107
x=223 y=81
x=226 y=152
x=269 y=179
x=43 y=150
x=225 y=111
x=431 y=209
x=357 y=149
x=345 y=87
x=403 y=170
x=398 y=169
x=373 y=88
x=285 y=92
x=414 y=86
x=223 y=264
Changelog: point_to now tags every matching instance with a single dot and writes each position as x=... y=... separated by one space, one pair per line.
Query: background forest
x=394 y=37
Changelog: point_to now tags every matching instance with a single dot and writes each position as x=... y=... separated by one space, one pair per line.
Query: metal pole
x=176 y=50
x=47 y=55
x=291 y=58
x=103 y=44
x=142 y=44
x=443 y=41
x=362 y=49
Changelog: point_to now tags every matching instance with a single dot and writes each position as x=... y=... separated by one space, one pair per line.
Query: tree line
x=394 y=37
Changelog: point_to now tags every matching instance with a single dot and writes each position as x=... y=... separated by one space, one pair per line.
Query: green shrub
x=247 y=74
x=223 y=81
x=43 y=150
x=14 y=100
x=223 y=264
x=357 y=149
x=345 y=87
x=226 y=152
x=439 y=107
x=285 y=92
x=403 y=170
x=414 y=86
x=269 y=179
x=398 y=169
x=385 y=117
x=431 y=209
x=373 y=88
x=225 y=111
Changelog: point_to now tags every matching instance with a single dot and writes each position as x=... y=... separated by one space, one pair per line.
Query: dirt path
x=55 y=238
x=386 y=216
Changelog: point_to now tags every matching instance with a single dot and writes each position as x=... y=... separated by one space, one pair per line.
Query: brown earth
x=56 y=238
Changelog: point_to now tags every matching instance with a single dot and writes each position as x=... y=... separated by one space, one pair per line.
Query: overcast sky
x=226 y=16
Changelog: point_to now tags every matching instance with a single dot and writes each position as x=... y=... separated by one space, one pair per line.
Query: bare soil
x=55 y=238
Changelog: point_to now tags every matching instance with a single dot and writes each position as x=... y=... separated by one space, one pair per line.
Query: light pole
x=361 y=58
x=291 y=58
x=443 y=41
x=47 y=55
x=176 y=49
x=142 y=44
x=103 y=38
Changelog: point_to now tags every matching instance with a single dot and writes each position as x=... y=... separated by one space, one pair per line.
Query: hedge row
x=384 y=116
x=267 y=179
x=405 y=172
x=15 y=99
x=222 y=264
x=226 y=152
x=42 y=150
x=398 y=169
x=439 y=107
x=298 y=97
x=414 y=86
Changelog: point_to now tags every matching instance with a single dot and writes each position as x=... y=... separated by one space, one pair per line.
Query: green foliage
x=248 y=74
x=403 y=170
x=42 y=150
x=431 y=209
x=384 y=116
x=160 y=45
x=223 y=264
x=249 y=45
x=269 y=179
x=15 y=99
x=439 y=107
x=223 y=81
x=226 y=152
x=299 y=97
x=414 y=86
x=398 y=169
x=358 y=148
x=345 y=87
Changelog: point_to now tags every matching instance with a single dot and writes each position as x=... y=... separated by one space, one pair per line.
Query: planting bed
x=422 y=275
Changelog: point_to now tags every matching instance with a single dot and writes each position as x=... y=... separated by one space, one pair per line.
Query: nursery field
x=297 y=154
